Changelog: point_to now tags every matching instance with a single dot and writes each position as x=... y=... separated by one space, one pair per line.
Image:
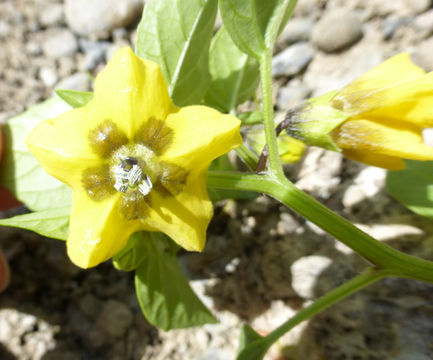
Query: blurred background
x=262 y=262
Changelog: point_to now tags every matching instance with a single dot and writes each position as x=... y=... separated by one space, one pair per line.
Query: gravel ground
x=262 y=263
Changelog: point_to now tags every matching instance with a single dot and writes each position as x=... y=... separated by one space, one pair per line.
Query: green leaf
x=252 y=346
x=235 y=75
x=176 y=34
x=134 y=253
x=251 y=117
x=20 y=172
x=166 y=299
x=75 y=98
x=52 y=223
x=255 y=24
x=413 y=186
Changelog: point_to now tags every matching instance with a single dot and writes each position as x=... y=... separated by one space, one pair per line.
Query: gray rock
x=51 y=14
x=418 y=6
x=4 y=29
x=59 y=43
x=337 y=30
x=391 y=24
x=290 y=96
x=297 y=29
x=305 y=273
x=114 y=319
x=292 y=60
x=94 y=53
x=424 y=23
x=48 y=76
x=78 y=81
x=423 y=55
x=98 y=17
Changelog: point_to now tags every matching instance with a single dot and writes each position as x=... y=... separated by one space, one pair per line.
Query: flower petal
x=61 y=147
x=396 y=89
x=97 y=230
x=200 y=135
x=184 y=217
x=373 y=159
x=393 y=138
x=130 y=91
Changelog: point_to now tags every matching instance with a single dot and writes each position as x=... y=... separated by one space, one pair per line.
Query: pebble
x=297 y=29
x=59 y=43
x=78 y=81
x=423 y=55
x=305 y=272
x=48 y=76
x=366 y=185
x=51 y=14
x=4 y=29
x=418 y=6
x=99 y=17
x=115 y=318
x=290 y=96
x=292 y=60
x=94 y=54
x=33 y=48
x=391 y=24
x=424 y=23
x=337 y=30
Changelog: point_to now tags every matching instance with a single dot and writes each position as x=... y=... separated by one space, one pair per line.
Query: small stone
x=50 y=15
x=4 y=29
x=418 y=6
x=391 y=24
x=48 y=76
x=94 y=53
x=59 y=43
x=114 y=319
x=90 y=306
x=297 y=29
x=337 y=30
x=78 y=81
x=290 y=96
x=292 y=60
x=366 y=185
x=99 y=17
x=33 y=48
x=305 y=273
x=423 y=55
x=424 y=23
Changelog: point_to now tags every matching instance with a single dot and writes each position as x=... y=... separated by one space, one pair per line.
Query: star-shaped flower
x=134 y=160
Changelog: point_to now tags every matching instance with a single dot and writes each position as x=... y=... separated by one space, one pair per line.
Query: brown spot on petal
x=134 y=205
x=98 y=182
x=155 y=135
x=172 y=179
x=106 y=138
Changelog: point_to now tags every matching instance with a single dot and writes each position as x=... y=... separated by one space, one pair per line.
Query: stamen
x=129 y=175
x=145 y=186
x=134 y=175
x=121 y=186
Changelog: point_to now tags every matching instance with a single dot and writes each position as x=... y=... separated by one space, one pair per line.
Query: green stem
x=257 y=348
x=378 y=253
x=275 y=167
x=248 y=157
x=357 y=283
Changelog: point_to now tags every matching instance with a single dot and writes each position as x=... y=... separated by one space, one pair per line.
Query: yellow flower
x=377 y=119
x=134 y=160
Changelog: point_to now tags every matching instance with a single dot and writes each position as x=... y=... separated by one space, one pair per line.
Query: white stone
x=336 y=30
x=59 y=43
x=97 y=17
x=305 y=272
x=48 y=76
